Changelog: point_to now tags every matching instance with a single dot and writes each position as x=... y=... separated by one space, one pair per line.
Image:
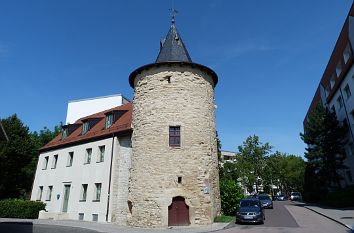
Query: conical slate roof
x=172 y=48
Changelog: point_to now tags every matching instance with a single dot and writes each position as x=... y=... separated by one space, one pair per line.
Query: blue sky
x=269 y=56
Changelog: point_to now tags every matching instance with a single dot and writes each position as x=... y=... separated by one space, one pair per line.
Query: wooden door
x=178 y=212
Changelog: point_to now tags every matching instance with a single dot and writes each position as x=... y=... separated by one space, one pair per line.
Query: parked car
x=295 y=196
x=250 y=210
x=265 y=201
x=281 y=197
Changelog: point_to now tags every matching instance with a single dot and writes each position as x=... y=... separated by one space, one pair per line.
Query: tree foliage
x=19 y=157
x=324 y=136
x=284 y=171
x=230 y=194
x=251 y=161
x=254 y=165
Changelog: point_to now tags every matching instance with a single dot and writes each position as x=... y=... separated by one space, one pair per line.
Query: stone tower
x=174 y=176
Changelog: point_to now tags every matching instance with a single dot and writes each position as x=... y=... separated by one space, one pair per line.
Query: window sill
x=47 y=200
x=53 y=168
x=87 y=163
x=99 y=161
x=95 y=200
x=69 y=165
x=82 y=200
x=175 y=147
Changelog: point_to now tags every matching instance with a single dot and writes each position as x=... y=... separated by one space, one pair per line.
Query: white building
x=82 y=172
x=336 y=90
x=84 y=107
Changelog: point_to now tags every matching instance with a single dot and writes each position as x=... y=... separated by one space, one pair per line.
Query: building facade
x=83 y=173
x=335 y=91
x=150 y=163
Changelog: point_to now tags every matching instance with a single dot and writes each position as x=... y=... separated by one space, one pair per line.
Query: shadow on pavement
x=16 y=227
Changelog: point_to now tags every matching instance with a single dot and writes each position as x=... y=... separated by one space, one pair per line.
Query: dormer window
x=346 y=54
x=64 y=133
x=68 y=129
x=85 y=127
x=339 y=68
x=112 y=117
x=109 y=120
x=332 y=81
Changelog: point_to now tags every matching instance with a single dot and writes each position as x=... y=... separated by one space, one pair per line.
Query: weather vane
x=173 y=12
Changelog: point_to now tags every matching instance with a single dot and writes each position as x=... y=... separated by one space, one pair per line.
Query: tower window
x=175 y=136
x=180 y=180
x=168 y=79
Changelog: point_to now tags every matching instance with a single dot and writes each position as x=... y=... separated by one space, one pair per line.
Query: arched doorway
x=178 y=212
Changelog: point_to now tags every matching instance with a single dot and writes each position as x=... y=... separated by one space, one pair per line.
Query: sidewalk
x=113 y=228
x=342 y=216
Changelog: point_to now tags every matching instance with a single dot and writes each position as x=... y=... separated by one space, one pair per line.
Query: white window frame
x=85 y=127
x=45 y=163
x=346 y=54
x=98 y=191
x=83 y=194
x=339 y=68
x=101 y=153
x=332 y=81
x=70 y=159
x=39 y=193
x=88 y=155
x=55 y=161
x=49 y=193
x=109 y=120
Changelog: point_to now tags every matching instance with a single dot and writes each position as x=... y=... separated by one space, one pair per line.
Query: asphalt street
x=286 y=217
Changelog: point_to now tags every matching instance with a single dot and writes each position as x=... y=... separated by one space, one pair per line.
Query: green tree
x=284 y=171
x=15 y=155
x=251 y=161
x=19 y=157
x=230 y=194
x=324 y=136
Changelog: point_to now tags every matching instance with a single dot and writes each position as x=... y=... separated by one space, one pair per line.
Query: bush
x=341 y=198
x=230 y=194
x=17 y=208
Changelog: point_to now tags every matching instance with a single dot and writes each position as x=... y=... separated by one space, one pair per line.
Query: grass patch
x=224 y=218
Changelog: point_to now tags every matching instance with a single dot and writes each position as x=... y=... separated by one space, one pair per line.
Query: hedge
x=17 y=208
x=341 y=198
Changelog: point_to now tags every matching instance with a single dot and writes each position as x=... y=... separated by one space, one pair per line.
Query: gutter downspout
x=110 y=176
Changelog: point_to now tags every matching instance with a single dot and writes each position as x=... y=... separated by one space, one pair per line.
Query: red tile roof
x=120 y=126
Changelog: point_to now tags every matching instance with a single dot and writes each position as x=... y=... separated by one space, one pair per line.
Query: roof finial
x=173 y=14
